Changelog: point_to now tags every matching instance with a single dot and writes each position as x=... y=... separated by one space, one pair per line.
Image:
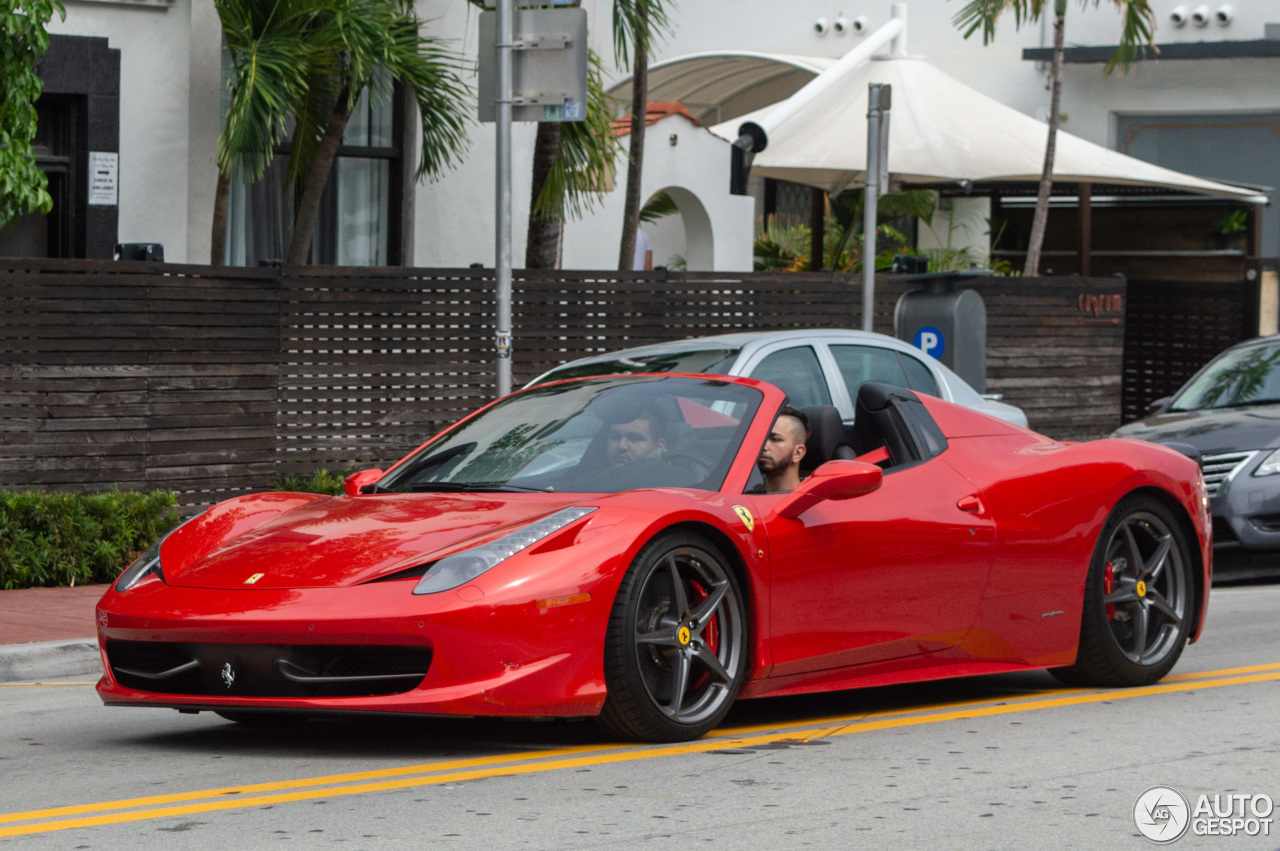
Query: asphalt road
x=1011 y=761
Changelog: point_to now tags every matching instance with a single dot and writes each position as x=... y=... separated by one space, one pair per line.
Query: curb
x=43 y=660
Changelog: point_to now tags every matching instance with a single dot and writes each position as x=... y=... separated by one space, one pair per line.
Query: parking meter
x=948 y=323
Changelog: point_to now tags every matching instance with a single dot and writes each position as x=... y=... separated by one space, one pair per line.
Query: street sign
x=930 y=341
x=548 y=65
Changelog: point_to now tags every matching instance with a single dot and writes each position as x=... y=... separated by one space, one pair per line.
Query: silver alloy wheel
x=1145 y=589
x=688 y=636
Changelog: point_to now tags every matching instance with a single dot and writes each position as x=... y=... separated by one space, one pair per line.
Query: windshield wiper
x=471 y=487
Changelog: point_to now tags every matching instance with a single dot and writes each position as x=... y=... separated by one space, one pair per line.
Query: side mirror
x=833 y=480
x=354 y=482
x=1159 y=406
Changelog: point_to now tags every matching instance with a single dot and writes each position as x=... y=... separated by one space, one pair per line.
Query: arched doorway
x=683 y=237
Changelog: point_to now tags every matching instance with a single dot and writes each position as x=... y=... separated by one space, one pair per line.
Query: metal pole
x=502 y=235
x=869 y=206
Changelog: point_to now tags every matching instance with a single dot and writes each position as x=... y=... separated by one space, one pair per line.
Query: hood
x=1211 y=430
x=345 y=541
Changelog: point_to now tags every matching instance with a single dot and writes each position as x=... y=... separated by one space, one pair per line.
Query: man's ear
x=798 y=452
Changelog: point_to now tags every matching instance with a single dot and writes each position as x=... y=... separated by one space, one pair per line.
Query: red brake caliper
x=1109 y=582
x=710 y=635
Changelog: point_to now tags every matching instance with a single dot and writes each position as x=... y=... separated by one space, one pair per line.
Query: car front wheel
x=675 y=651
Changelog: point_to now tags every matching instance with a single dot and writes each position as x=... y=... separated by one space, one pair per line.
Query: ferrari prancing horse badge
x=745 y=515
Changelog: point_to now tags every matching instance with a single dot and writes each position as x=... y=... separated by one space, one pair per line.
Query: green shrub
x=321 y=481
x=52 y=539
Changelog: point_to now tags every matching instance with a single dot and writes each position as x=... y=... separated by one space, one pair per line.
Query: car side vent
x=1222 y=468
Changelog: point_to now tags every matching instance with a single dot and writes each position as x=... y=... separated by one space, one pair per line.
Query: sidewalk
x=49 y=632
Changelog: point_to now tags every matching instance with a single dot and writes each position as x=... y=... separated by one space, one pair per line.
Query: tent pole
x=1084 y=199
x=817 y=228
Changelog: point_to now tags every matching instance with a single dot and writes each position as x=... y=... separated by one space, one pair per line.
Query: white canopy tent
x=941 y=131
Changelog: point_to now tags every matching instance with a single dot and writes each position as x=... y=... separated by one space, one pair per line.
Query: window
x=359 y=212
x=797 y=372
x=921 y=378
x=858 y=364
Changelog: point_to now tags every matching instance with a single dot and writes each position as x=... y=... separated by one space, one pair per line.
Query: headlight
x=1270 y=465
x=452 y=571
x=147 y=563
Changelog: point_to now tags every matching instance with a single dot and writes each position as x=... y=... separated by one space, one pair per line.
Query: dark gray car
x=1229 y=413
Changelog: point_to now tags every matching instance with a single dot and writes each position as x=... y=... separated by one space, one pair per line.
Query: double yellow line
x=455 y=771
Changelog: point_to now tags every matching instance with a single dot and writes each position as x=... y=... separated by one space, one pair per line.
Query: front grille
x=1219 y=469
x=255 y=670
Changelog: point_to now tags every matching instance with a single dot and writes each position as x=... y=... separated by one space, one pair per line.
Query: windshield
x=1249 y=376
x=708 y=361
x=601 y=436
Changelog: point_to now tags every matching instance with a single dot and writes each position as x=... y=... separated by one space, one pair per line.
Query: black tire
x=676 y=651
x=1138 y=599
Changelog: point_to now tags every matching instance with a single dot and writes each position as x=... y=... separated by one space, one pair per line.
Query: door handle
x=971 y=504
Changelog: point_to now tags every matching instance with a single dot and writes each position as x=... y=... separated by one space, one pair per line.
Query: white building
x=1209 y=106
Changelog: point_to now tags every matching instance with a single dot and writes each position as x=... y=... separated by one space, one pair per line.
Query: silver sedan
x=813 y=367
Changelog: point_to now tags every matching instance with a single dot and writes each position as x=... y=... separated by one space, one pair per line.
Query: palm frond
x=658 y=207
x=585 y=160
x=983 y=15
x=1137 y=32
x=643 y=20
x=270 y=55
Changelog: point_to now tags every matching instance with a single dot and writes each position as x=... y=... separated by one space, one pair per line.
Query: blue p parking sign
x=929 y=340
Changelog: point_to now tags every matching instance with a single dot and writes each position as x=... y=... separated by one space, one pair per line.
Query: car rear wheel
x=675 y=651
x=1138 y=600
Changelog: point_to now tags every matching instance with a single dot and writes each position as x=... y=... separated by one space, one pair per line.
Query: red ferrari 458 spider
x=606 y=547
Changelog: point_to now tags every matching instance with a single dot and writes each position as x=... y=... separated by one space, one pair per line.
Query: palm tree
x=636 y=23
x=270 y=53
x=309 y=61
x=368 y=45
x=1139 y=27
x=572 y=162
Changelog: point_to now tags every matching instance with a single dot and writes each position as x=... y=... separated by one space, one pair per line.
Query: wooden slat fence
x=211 y=381
x=1174 y=328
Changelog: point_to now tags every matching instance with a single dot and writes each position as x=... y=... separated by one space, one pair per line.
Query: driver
x=641 y=438
x=780 y=457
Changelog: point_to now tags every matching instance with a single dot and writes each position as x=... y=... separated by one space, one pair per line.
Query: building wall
x=155 y=98
x=717 y=226
x=170 y=94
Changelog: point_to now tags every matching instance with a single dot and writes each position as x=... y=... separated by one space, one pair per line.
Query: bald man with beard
x=780 y=458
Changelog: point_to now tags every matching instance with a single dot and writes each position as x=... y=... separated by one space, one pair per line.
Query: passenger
x=641 y=438
x=785 y=446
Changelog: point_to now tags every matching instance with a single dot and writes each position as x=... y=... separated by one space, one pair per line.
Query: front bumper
x=1246 y=523
x=303 y=649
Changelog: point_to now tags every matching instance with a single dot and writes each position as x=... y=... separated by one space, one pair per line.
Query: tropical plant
x=1234 y=222
x=52 y=539
x=636 y=25
x=1139 y=25
x=572 y=162
x=320 y=481
x=659 y=206
x=308 y=62
x=270 y=49
x=23 y=40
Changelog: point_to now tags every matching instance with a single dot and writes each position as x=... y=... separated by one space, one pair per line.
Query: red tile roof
x=654 y=111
